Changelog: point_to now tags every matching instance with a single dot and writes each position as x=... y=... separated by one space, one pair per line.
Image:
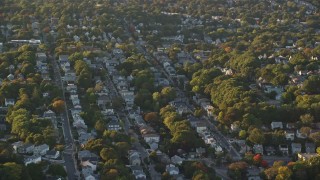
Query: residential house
x=235 y=127
x=253 y=173
x=289 y=135
x=103 y=100
x=69 y=76
x=3 y=126
x=49 y=114
x=89 y=177
x=16 y=146
x=53 y=154
x=301 y=135
x=41 y=149
x=148 y=138
x=9 y=102
x=128 y=97
x=177 y=160
x=201 y=126
x=310 y=147
x=32 y=159
x=41 y=56
x=91 y=162
x=122 y=85
x=153 y=145
x=87 y=173
x=63 y=59
x=134 y=158
x=78 y=122
x=284 y=149
x=138 y=173
x=295 y=148
x=270 y=150
x=306 y=156
x=84 y=137
x=258 y=149
x=65 y=66
x=276 y=125
x=200 y=151
x=172 y=169
x=290 y=126
x=114 y=126
x=111 y=64
x=72 y=88
x=26 y=148
x=268 y=88
x=75 y=99
x=107 y=112
x=139 y=120
x=85 y=154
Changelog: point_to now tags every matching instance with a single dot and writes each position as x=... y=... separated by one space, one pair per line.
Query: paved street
x=69 y=151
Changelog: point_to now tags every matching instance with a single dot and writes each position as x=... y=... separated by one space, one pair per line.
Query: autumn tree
x=58 y=105
x=256 y=136
x=237 y=170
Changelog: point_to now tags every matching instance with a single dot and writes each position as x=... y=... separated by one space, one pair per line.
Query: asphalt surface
x=68 y=154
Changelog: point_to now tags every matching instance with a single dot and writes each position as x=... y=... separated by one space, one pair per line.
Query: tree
x=58 y=105
x=95 y=145
x=256 y=136
x=152 y=117
x=168 y=93
x=257 y=159
x=11 y=171
x=111 y=174
x=272 y=172
x=57 y=170
x=122 y=148
x=100 y=126
x=315 y=137
x=237 y=170
x=200 y=175
x=243 y=134
x=108 y=153
x=284 y=173
x=306 y=119
x=36 y=171
x=311 y=85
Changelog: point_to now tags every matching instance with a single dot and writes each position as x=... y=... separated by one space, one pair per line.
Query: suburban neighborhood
x=158 y=90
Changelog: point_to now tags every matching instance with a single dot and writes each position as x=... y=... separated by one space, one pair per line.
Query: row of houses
x=88 y=161
x=34 y=154
x=285 y=149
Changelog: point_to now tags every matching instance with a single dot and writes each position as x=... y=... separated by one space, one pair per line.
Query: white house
x=276 y=125
x=9 y=102
x=177 y=160
x=32 y=159
x=289 y=135
x=138 y=173
x=113 y=126
x=201 y=126
x=148 y=138
x=16 y=145
x=49 y=114
x=172 y=169
x=284 y=149
x=41 y=149
x=92 y=165
x=300 y=134
x=134 y=158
